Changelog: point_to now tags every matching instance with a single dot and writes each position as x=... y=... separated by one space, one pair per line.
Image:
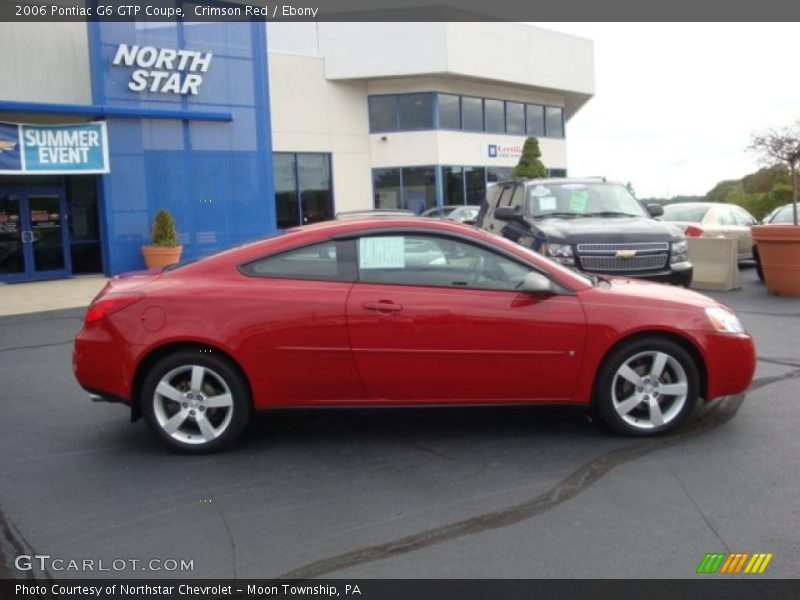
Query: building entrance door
x=33 y=234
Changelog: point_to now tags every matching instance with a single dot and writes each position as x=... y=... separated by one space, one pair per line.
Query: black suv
x=589 y=224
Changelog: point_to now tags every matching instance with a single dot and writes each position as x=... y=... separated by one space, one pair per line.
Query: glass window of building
x=475 y=181
x=287 y=208
x=515 y=118
x=556 y=172
x=386 y=186
x=449 y=111
x=555 y=121
x=415 y=111
x=535 y=119
x=312 y=201
x=316 y=195
x=472 y=113
x=419 y=188
x=452 y=185
x=495 y=174
x=382 y=113
x=494 y=112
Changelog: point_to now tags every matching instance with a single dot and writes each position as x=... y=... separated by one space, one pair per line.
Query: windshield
x=570 y=200
x=684 y=212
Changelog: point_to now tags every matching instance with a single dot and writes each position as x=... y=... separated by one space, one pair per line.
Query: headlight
x=680 y=252
x=724 y=320
x=562 y=253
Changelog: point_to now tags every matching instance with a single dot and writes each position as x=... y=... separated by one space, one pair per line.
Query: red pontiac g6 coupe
x=399 y=312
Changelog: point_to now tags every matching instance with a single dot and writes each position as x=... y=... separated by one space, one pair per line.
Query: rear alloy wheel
x=195 y=402
x=647 y=387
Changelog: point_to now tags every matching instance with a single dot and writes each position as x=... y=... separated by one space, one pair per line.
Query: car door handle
x=383 y=306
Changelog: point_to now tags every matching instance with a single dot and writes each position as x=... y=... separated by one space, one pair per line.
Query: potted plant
x=165 y=249
x=779 y=245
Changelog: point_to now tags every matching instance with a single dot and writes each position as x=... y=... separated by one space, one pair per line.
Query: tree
x=164 y=233
x=781 y=146
x=529 y=164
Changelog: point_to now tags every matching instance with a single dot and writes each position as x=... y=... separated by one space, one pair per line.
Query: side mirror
x=536 y=283
x=507 y=213
x=655 y=210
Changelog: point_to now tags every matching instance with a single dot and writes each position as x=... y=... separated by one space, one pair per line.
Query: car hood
x=593 y=230
x=657 y=292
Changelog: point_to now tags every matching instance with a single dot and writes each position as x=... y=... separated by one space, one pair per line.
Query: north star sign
x=163 y=70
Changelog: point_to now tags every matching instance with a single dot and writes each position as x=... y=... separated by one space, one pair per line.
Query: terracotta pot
x=779 y=250
x=156 y=257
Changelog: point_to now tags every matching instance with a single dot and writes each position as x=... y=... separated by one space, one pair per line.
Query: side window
x=439 y=261
x=317 y=262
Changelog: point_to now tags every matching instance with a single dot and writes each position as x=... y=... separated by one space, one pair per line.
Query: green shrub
x=529 y=164
x=164 y=233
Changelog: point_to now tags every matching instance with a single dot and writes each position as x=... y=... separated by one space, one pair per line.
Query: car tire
x=647 y=387
x=196 y=401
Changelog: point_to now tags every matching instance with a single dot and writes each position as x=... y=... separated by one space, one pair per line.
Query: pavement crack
x=48 y=345
x=765 y=381
x=702 y=514
x=571 y=486
x=231 y=540
x=778 y=361
x=13 y=544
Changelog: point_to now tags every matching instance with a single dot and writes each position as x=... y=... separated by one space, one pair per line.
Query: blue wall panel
x=215 y=177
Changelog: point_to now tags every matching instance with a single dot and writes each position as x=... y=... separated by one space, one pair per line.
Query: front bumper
x=730 y=363
x=677 y=274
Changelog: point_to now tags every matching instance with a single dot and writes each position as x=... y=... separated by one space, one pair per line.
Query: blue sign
x=54 y=149
x=9 y=148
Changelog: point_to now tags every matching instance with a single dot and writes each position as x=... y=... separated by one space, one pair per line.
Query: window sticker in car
x=383 y=252
x=547 y=203
x=540 y=191
x=578 y=200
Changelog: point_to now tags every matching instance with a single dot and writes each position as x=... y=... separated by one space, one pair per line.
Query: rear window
x=689 y=214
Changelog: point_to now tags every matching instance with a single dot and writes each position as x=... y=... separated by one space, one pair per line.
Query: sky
x=675 y=104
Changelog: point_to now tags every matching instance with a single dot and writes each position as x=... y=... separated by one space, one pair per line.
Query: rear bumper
x=100 y=363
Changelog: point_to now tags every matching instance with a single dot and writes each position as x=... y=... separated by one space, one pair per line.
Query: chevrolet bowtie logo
x=626 y=253
x=6 y=145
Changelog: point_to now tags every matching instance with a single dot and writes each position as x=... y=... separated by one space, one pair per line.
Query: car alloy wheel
x=647 y=387
x=193 y=404
x=649 y=390
x=196 y=401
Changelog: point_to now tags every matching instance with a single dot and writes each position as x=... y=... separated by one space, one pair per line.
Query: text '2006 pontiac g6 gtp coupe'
x=400 y=311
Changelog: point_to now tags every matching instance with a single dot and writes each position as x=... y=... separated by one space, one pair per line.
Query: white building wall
x=53 y=67
x=312 y=114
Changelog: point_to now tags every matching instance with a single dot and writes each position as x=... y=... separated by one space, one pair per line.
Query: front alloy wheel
x=647 y=387
x=195 y=402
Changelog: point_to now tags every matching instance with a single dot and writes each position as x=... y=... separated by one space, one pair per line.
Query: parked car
x=780 y=216
x=374 y=212
x=399 y=312
x=589 y=224
x=713 y=219
x=454 y=212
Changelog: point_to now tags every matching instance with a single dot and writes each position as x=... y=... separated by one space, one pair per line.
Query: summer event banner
x=53 y=149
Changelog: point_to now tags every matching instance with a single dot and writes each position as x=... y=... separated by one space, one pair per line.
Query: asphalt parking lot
x=524 y=492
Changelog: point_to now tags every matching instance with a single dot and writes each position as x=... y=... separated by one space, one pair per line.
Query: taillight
x=111 y=303
x=694 y=231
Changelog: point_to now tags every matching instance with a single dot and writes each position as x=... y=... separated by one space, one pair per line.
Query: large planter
x=156 y=257
x=779 y=250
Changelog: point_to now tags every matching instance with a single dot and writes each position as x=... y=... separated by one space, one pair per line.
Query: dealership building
x=242 y=129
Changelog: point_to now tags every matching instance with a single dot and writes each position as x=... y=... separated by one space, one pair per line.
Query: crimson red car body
x=311 y=342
